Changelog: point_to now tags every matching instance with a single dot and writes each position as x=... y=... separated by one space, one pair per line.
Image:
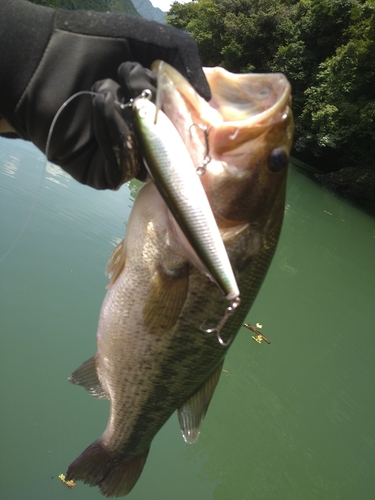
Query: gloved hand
x=113 y=125
x=49 y=55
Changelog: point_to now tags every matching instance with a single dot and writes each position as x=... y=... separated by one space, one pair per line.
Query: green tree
x=326 y=49
x=203 y=20
x=313 y=32
x=337 y=122
x=240 y=35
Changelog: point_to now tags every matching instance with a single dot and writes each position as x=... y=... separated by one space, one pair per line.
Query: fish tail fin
x=115 y=475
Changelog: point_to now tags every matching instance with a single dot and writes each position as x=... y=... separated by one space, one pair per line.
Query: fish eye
x=277 y=160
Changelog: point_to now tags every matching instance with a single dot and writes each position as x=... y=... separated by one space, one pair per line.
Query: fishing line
x=51 y=129
x=69 y=100
x=27 y=219
x=58 y=113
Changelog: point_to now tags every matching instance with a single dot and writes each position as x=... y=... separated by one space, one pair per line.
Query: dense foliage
x=325 y=47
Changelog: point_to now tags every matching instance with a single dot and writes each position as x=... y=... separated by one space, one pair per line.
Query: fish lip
x=213 y=114
x=277 y=83
x=242 y=106
x=233 y=137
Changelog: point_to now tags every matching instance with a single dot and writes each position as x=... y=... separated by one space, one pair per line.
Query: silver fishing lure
x=174 y=174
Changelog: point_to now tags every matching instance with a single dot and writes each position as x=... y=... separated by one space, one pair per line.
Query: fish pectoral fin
x=87 y=377
x=193 y=411
x=116 y=263
x=166 y=298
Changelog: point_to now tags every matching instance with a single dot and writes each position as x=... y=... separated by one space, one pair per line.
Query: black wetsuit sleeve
x=25 y=30
x=48 y=55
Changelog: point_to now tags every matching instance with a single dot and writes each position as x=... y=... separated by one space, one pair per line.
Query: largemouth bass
x=154 y=356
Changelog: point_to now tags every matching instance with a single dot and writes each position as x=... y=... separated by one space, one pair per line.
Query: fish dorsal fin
x=166 y=298
x=192 y=412
x=87 y=377
x=116 y=263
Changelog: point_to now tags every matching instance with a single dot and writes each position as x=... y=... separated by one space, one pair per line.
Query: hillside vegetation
x=98 y=5
x=325 y=47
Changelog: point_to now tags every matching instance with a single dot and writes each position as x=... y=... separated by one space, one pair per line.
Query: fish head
x=241 y=139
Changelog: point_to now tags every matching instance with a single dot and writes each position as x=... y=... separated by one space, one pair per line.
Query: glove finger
x=114 y=132
x=134 y=79
x=108 y=128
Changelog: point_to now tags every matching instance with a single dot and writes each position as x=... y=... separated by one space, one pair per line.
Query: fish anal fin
x=166 y=298
x=87 y=377
x=114 y=474
x=193 y=411
x=116 y=263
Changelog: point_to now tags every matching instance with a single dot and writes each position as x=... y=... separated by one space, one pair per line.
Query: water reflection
x=11 y=166
x=292 y=420
x=57 y=175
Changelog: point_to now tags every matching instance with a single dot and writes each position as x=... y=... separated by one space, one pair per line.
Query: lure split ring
x=201 y=169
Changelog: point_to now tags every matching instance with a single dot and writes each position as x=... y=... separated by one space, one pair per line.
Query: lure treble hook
x=201 y=169
x=228 y=312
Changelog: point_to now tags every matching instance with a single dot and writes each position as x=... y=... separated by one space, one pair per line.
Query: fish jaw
x=250 y=132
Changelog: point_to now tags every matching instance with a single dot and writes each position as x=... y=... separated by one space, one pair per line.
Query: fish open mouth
x=243 y=106
x=240 y=140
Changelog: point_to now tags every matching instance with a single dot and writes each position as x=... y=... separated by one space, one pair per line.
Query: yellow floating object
x=71 y=484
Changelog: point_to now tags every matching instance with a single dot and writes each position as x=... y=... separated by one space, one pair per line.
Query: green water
x=294 y=420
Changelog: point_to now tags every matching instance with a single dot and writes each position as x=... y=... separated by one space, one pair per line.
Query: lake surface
x=294 y=420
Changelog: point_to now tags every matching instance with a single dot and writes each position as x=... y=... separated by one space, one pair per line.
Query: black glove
x=113 y=124
x=48 y=55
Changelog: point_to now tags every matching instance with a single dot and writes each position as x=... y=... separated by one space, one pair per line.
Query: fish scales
x=153 y=356
x=179 y=347
x=182 y=350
